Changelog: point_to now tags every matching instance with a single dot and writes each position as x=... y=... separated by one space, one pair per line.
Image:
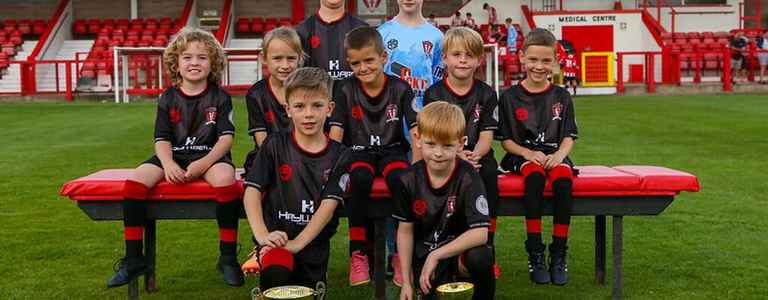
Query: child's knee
x=479 y=259
x=220 y=175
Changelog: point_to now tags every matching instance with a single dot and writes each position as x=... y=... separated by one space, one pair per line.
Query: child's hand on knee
x=195 y=169
x=174 y=174
x=537 y=157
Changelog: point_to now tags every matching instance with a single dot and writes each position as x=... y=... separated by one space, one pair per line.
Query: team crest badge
x=427 y=47
x=285 y=172
x=392 y=44
x=476 y=114
x=451 y=205
x=174 y=115
x=357 y=112
x=391 y=113
x=210 y=116
x=372 y=5
x=557 y=110
x=314 y=42
x=420 y=207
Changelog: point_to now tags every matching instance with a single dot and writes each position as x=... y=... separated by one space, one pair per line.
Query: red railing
x=221 y=34
x=186 y=12
x=528 y=16
x=66 y=90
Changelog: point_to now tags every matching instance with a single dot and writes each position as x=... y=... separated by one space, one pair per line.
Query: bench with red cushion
x=598 y=191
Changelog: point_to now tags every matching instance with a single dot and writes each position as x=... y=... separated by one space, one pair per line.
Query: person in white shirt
x=762 y=55
x=456 y=20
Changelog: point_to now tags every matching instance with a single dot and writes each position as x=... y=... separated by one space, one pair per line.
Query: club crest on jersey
x=314 y=41
x=174 y=115
x=269 y=116
x=285 y=172
x=557 y=109
x=476 y=114
x=391 y=113
x=521 y=114
x=427 y=45
x=420 y=207
x=451 y=205
x=392 y=44
x=210 y=116
x=372 y=5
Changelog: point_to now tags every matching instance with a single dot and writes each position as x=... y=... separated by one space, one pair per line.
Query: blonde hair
x=181 y=41
x=463 y=37
x=309 y=79
x=289 y=36
x=442 y=121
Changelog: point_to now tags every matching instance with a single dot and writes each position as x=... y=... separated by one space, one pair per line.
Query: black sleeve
x=506 y=121
x=256 y=122
x=163 y=126
x=341 y=110
x=304 y=34
x=261 y=175
x=338 y=182
x=402 y=204
x=489 y=119
x=569 y=119
x=475 y=201
x=224 y=119
x=406 y=102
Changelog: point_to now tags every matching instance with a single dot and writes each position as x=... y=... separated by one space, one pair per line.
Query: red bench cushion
x=593 y=181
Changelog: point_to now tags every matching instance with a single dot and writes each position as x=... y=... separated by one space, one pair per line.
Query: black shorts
x=447 y=271
x=514 y=163
x=185 y=159
x=379 y=160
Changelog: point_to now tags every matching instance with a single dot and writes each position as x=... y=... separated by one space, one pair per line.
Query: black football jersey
x=479 y=106
x=537 y=121
x=372 y=123
x=265 y=113
x=443 y=214
x=323 y=42
x=193 y=124
x=295 y=181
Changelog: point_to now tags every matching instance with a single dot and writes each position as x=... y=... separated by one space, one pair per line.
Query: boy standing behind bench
x=298 y=181
x=537 y=128
x=193 y=137
x=370 y=108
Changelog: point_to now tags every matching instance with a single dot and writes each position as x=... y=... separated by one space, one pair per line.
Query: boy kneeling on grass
x=443 y=211
x=193 y=137
x=292 y=192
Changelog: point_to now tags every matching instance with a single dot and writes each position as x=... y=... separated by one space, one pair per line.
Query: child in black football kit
x=265 y=100
x=368 y=118
x=443 y=211
x=462 y=50
x=193 y=137
x=538 y=128
x=298 y=182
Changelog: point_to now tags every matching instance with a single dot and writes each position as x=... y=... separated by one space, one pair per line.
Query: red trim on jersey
x=133 y=233
x=450 y=178
x=227 y=193
x=207 y=86
x=307 y=152
x=393 y=166
x=228 y=235
x=319 y=18
x=362 y=164
x=492 y=228
x=450 y=89
x=560 y=230
x=549 y=87
x=277 y=257
x=135 y=190
x=383 y=86
x=357 y=233
x=560 y=171
x=533 y=225
x=530 y=167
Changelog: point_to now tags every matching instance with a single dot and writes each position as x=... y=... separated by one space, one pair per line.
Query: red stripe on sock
x=560 y=171
x=133 y=233
x=228 y=193
x=277 y=257
x=362 y=164
x=492 y=228
x=394 y=166
x=560 y=230
x=228 y=235
x=357 y=234
x=533 y=225
x=135 y=190
x=530 y=167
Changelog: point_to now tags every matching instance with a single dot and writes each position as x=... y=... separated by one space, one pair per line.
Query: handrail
x=221 y=34
x=48 y=30
x=186 y=12
x=528 y=16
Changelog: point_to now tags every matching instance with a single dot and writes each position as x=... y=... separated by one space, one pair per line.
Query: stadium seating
x=258 y=26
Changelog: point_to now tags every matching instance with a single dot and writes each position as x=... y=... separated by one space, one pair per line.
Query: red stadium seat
x=693 y=36
x=166 y=21
x=707 y=35
x=257 y=26
x=712 y=61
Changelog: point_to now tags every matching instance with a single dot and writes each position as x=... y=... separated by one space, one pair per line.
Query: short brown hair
x=539 y=37
x=309 y=79
x=181 y=41
x=289 y=36
x=362 y=37
x=463 y=37
x=442 y=121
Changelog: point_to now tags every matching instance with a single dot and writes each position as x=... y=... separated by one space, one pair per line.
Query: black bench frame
x=615 y=206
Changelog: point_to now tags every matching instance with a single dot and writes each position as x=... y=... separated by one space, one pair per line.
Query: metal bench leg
x=380 y=258
x=133 y=289
x=600 y=250
x=618 y=240
x=150 y=239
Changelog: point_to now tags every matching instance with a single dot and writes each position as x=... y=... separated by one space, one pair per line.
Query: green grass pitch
x=706 y=245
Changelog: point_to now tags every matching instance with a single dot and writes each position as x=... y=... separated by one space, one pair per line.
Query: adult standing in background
x=493 y=18
x=323 y=34
x=456 y=20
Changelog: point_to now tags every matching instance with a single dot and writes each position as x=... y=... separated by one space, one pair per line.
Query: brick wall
x=29 y=9
x=265 y=8
x=160 y=9
x=101 y=9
